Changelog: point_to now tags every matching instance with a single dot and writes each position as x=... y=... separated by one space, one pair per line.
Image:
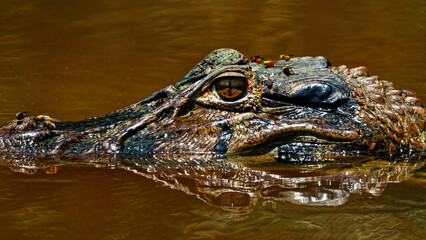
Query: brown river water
x=78 y=59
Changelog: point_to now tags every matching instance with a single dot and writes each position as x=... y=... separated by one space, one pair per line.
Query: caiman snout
x=327 y=91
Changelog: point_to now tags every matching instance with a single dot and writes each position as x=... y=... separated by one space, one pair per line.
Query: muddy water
x=87 y=58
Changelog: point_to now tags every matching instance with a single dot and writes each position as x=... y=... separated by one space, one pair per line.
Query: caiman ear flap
x=216 y=59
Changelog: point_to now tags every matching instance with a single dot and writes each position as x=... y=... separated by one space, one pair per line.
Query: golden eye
x=230 y=88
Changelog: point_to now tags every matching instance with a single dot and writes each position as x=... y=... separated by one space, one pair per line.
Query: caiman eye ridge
x=230 y=86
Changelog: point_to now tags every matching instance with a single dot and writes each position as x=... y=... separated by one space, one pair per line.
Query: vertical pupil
x=231 y=88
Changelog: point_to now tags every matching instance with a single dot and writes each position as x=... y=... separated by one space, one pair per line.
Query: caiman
x=229 y=104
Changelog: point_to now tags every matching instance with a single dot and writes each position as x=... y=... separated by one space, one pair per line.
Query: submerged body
x=226 y=104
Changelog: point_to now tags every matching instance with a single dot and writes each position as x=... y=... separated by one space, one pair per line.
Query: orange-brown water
x=74 y=60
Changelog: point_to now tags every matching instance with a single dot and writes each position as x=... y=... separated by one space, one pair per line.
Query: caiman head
x=227 y=104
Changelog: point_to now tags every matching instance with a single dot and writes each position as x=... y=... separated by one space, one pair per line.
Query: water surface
x=80 y=59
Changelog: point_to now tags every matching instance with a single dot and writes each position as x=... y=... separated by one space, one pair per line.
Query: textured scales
x=319 y=111
x=399 y=113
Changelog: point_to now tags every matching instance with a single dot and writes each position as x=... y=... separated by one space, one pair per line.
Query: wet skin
x=229 y=105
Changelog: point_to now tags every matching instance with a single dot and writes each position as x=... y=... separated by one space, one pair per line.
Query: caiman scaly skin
x=229 y=105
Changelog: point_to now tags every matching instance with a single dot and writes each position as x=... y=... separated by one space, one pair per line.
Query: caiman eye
x=230 y=86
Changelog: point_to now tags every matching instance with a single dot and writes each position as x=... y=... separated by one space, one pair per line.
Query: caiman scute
x=228 y=104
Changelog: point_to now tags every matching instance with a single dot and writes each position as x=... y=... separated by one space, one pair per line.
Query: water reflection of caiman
x=227 y=104
x=237 y=187
x=239 y=183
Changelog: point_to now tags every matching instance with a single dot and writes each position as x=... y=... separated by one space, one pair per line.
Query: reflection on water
x=232 y=185
x=241 y=197
x=235 y=187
